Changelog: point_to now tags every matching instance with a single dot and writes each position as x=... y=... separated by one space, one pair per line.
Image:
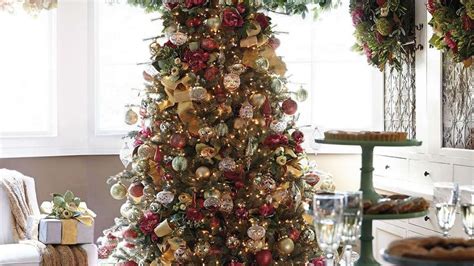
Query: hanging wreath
x=382 y=30
x=31 y=6
x=453 y=26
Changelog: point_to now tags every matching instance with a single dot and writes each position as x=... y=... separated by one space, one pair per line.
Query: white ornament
x=227 y=164
x=211 y=203
x=165 y=197
x=198 y=93
x=231 y=81
x=226 y=203
x=256 y=232
x=178 y=38
x=246 y=111
x=278 y=126
x=125 y=154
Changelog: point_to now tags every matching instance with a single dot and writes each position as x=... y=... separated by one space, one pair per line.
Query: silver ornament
x=277 y=85
x=227 y=164
x=179 y=163
x=165 y=197
x=301 y=95
x=222 y=129
x=178 y=38
x=211 y=203
x=262 y=64
x=165 y=126
x=198 y=93
x=146 y=151
x=131 y=117
x=231 y=81
x=232 y=242
x=308 y=235
x=246 y=111
x=256 y=232
x=278 y=126
x=227 y=204
x=155 y=207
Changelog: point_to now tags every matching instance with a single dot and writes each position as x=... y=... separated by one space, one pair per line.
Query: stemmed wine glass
x=445 y=198
x=467 y=209
x=328 y=221
x=352 y=222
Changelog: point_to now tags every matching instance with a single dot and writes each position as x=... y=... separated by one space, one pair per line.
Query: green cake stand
x=369 y=193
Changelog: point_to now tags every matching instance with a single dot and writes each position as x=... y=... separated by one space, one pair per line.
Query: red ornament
x=235 y=263
x=289 y=106
x=242 y=213
x=311 y=179
x=239 y=185
x=266 y=210
x=211 y=73
x=136 y=189
x=193 y=22
x=209 y=44
x=299 y=149
x=129 y=233
x=178 y=141
x=264 y=257
x=297 y=136
x=294 y=234
x=129 y=245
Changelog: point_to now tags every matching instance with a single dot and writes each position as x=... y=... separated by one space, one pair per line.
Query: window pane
x=27 y=73
x=340 y=82
x=119 y=47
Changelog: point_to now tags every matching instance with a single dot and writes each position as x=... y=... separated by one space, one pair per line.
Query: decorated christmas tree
x=218 y=175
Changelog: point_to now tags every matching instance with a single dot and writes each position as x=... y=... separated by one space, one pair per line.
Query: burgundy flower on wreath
x=275 y=140
x=357 y=16
x=193 y=3
x=367 y=51
x=231 y=18
x=450 y=42
x=431 y=6
x=148 y=223
x=196 y=59
x=263 y=20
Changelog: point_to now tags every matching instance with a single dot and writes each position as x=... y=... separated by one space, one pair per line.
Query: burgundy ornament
x=129 y=233
x=241 y=213
x=194 y=214
x=209 y=44
x=289 y=106
x=266 y=210
x=136 y=189
x=158 y=157
x=294 y=234
x=299 y=149
x=275 y=140
x=264 y=257
x=235 y=263
x=193 y=3
x=297 y=136
x=178 y=141
x=127 y=263
x=239 y=185
x=193 y=22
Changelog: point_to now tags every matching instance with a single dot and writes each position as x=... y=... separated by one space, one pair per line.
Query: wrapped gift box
x=65 y=232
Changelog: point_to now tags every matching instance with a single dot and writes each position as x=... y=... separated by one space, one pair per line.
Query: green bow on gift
x=68 y=206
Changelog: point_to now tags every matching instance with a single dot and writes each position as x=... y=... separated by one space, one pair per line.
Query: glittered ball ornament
x=308 y=235
x=131 y=117
x=182 y=255
x=232 y=242
x=136 y=189
x=286 y=246
x=178 y=38
x=262 y=64
x=227 y=164
x=277 y=85
x=256 y=232
x=267 y=184
x=202 y=249
x=231 y=81
x=203 y=172
x=246 y=111
x=254 y=245
x=146 y=151
x=211 y=203
x=227 y=204
x=301 y=95
x=118 y=191
x=264 y=257
x=206 y=133
x=289 y=106
x=198 y=94
x=165 y=197
x=179 y=163
x=125 y=208
x=155 y=207
x=178 y=140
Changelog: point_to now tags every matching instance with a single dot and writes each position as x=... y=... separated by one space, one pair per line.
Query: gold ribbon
x=276 y=65
x=178 y=91
x=86 y=215
x=68 y=232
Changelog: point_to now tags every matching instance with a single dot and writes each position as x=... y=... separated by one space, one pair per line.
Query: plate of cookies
x=433 y=251
x=395 y=207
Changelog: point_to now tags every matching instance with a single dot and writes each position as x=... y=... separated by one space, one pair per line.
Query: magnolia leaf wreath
x=33 y=7
x=453 y=28
x=382 y=30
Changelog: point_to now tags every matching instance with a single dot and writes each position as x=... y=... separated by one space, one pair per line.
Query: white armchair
x=13 y=253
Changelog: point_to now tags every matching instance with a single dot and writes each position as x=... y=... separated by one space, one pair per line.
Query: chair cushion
x=19 y=254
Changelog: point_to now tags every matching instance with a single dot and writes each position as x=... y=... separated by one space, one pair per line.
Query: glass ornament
x=231 y=81
x=131 y=117
x=155 y=207
x=256 y=232
x=125 y=154
x=165 y=197
x=277 y=85
x=254 y=245
x=222 y=129
x=308 y=235
x=213 y=23
x=246 y=111
x=262 y=64
x=179 y=163
x=267 y=184
x=301 y=94
x=257 y=99
x=165 y=126
x=206 y=133
x=227 y=164
x=237 y=69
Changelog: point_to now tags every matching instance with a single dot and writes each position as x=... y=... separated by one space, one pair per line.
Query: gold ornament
x=257 y=99
x=185 y=198
x=118 y=191
x=212 y=193
x=131 y=117
x=203 y=172
x=286 y=246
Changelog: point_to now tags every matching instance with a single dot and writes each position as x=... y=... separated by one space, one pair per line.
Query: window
x=119 y=46
x=344 y=91
x=27 y=67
